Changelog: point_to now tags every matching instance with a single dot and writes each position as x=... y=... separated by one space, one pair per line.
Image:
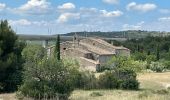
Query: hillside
x=120 y=34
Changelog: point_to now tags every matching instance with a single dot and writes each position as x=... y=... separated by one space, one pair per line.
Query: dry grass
x=7 y=96
x=154 y=80
x=150 y=83
x=118 y=95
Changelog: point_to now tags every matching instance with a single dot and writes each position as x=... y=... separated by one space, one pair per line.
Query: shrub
x=103 y=68
x=162 y=91
x=167 y=64
x=48 y=77
x=131 y=84
x=121 y=78
x=157 y=66
x=128 y=63
x=127 y=78
x=86 y=80
x=139 y=56
x=108 y=81
x=96 y=94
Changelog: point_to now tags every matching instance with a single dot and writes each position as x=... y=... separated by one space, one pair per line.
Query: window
x=64 y=48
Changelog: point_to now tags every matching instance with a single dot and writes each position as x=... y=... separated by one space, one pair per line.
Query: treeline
x=156 y=46
x=155 y=51
x=131 y=34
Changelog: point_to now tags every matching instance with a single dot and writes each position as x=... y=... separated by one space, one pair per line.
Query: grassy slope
x=150 y=84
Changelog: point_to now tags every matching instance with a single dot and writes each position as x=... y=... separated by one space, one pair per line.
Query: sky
x=63 y=16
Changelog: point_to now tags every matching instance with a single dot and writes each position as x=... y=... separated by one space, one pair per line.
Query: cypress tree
x=138 y=48
x=57 y=48
x=157 y=53
x=149 y=52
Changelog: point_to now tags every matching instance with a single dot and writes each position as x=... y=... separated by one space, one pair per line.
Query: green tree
x=33 y=53
x=57 y=48
x=10 y=58
x=157 y=53
x=50 y=77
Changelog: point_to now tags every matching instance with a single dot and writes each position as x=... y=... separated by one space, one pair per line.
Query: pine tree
x=10 y=58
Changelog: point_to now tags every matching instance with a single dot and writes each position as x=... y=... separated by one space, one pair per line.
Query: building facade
x=90 y=52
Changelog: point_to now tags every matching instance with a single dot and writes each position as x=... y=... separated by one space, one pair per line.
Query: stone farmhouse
x=90 y=52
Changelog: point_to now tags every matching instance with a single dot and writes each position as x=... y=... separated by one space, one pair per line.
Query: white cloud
x=25 y=22
x=67 y=6
x=111 y=1
x=88 y=10
x=138 y=26
x=164 y=19
x=164 y=11
x=20 y=22
x=34 y=7
x=65 y=17
x=141 y=7
x=116 y=13
x=2 y=6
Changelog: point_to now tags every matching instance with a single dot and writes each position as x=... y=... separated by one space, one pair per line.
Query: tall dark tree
x=157 y=53
x=10 y=58
x=57 y=48
x=149 y=52
x=138 y=48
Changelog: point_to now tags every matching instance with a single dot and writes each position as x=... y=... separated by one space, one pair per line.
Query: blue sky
x=63 y=16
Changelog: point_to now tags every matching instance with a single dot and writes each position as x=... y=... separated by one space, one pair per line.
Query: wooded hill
x=130 y=34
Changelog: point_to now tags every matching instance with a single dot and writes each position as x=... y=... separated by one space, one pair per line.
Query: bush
x=121 y=78
x=127 y=63
x=48 y=77
x=108 y=81
x=162 y=91
x=86 y=80
x=157 y=66
x=139 y=56
x=167 y=64
x=129 y=84
x=103 y=68
x=96 y=94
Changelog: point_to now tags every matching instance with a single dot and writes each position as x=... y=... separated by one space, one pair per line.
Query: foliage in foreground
x=10 y=58
x=50 y=77
x=47 y=76
x=86 y=80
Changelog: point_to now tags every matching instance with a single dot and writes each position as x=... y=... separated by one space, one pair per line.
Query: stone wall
x=103 y=59
x=88 y=63
x=66 y=45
